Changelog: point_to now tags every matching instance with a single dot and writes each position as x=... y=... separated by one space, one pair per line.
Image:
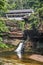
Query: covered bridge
x=18 y=14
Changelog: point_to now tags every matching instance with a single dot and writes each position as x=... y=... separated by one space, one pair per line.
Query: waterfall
x=19 y=50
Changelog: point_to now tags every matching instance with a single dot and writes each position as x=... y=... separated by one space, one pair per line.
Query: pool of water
x=10 y=58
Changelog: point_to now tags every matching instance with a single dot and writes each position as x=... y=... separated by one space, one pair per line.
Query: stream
x=10 y=58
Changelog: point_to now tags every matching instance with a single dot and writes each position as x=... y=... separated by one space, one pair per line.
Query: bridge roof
x=19 y=11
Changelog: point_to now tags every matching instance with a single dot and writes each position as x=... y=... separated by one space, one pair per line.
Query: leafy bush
x=3 y=27
x=3 y=45
x=40 y=11
x=21 y=24
x=33 y=19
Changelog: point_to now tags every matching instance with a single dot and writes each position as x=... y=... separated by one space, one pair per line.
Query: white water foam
x=19 y=50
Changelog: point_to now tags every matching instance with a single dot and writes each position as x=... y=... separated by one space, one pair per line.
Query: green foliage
x=3 y=27
x=3 y=45
x=21 y=24
x=11 y=4
x=3 y=4
x=40 y=11
x=0 y=39
x=20 y=4
x=25 y=4
x=34 y=20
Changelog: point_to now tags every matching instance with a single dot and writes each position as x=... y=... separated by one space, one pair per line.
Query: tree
x=25 y=4
x=3 y=5
x=11 y=4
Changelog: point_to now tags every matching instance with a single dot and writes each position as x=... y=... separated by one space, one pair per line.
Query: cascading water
x=19 y=50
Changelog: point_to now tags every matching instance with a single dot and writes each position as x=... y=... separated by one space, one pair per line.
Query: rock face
x=15 y=35
x=14 y=30
x=28 y=46
x=37 y=57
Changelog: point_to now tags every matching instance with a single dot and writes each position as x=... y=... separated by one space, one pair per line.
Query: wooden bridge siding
x=16 y=15
x=20 y=11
